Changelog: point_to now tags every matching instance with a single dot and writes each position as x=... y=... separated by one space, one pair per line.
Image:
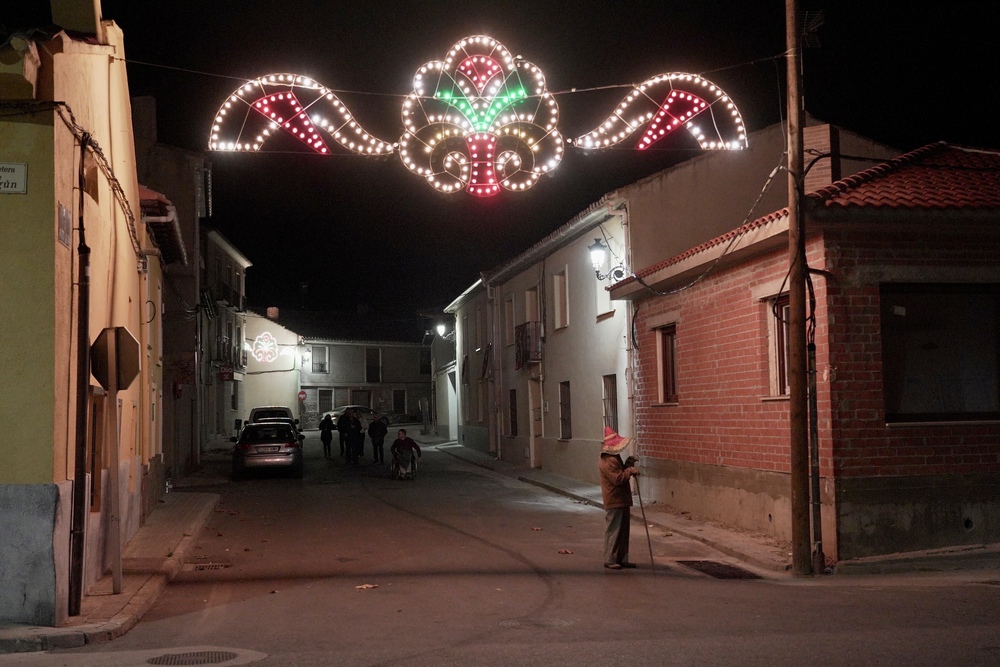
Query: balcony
x=528 y=344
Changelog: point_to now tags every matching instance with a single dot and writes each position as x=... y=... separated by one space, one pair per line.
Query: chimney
x=826 y=170
x=78 y=16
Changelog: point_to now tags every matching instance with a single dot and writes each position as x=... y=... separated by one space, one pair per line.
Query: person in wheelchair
x=403 y=451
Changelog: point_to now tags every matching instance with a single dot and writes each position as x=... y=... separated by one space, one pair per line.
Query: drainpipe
x=79 y=518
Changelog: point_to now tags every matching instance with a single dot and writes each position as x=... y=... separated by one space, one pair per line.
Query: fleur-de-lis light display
x=265 y=348
x=481 y=120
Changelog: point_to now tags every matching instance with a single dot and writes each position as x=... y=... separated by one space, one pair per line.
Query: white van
x=270 y=411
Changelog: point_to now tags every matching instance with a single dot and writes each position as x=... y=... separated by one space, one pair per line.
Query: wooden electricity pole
x=798 y=410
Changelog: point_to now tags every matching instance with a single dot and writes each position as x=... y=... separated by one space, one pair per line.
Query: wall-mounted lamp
x=598 y=255
x=441 y=329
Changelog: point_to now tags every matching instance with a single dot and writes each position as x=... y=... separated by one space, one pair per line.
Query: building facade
x=905 y=329
x=78 y=261
x=222 y=322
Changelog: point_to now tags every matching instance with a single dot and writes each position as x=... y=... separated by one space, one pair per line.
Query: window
x=512 y=413
x=399 y=401
x=940 y=352
x=425 y=362
x=320 y=359
x=565 y=418
x=235 y=397
x=480 y=329
x=560 y=300
x=666 y=339
x=778 y=352
x=508 y=321
x=481 y=402
x=325 y=400
x=611 y=402
x=373 y=364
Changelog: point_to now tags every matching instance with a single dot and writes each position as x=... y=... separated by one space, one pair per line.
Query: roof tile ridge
x=878 y=171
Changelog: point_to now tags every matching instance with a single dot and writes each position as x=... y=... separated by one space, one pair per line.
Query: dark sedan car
x=268 y=445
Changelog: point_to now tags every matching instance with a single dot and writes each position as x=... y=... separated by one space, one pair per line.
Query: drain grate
x=195 y=658
x=719 y=570
x=535 y=623
x=202 y=567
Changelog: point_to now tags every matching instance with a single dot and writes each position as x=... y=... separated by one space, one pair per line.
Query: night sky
x=366 y=231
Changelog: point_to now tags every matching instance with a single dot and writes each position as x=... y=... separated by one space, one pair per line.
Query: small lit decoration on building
x=265 y=348
x=480 y=121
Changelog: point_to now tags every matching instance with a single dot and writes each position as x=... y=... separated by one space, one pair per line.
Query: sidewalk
x=151 y=558
x=755 y=550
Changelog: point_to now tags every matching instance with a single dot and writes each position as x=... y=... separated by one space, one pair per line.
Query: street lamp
x=598 y=254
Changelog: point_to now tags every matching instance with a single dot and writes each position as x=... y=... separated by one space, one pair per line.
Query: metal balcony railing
x=528 y=344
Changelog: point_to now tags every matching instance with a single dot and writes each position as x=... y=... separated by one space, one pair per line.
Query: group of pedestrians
x=352 y=431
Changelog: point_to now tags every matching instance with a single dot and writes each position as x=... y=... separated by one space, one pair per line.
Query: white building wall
x=273 y=364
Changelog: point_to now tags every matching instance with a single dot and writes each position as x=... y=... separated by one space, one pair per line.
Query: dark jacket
x=377 y=430
x=615 y=489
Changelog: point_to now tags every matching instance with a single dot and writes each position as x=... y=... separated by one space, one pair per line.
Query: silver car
x=268 y=445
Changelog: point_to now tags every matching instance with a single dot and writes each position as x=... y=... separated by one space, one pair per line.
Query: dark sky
x=367 y=231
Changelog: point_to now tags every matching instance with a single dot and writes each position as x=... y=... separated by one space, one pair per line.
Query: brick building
x=906 y=280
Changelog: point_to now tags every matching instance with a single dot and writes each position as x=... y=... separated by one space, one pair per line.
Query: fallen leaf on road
x=273 y=592
x=246 y=548
x=565 y=551
x=218 y=534
x=536 y=528
x=364 y=587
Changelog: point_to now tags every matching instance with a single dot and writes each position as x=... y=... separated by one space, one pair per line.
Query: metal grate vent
x=195 y=658
x=535 y=623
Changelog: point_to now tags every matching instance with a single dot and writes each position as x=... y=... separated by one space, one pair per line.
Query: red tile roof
x=936 y=177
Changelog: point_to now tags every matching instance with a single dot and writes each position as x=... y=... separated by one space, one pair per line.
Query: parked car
x=268 y=445
x=265 y=411
x=365 y=413
x=294 y=423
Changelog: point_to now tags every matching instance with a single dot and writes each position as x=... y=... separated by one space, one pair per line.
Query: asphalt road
x=464 y=566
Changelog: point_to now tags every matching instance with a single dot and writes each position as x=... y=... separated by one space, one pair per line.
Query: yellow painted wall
x=27 y=328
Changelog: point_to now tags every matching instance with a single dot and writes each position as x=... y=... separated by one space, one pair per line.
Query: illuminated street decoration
x=669 y=102
x=481 y=120
x=265 y=348
x=260 y=109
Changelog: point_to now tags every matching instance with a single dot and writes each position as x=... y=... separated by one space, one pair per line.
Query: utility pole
x=797 y=389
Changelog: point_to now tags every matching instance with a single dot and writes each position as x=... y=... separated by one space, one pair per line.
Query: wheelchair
x=404 y=466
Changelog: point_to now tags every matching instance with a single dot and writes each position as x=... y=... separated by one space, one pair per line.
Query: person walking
x=377 y=431
x=355 y=437
x=326 y=428
x=342 y=427
x=617 y=496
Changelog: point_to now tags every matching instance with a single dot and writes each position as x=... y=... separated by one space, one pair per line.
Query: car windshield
x=266 y=433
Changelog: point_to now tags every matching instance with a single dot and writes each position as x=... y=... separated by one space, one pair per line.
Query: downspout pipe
x=79 y=519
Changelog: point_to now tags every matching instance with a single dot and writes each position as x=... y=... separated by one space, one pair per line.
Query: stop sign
x=124 y=363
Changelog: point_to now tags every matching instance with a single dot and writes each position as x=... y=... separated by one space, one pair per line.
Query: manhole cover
x=535 y=623
x=719 y=570
x=195 y=658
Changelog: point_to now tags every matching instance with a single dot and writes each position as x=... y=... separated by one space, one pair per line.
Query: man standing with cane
x=617 y=495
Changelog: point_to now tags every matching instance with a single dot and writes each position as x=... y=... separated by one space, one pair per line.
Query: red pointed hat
x=614 y=443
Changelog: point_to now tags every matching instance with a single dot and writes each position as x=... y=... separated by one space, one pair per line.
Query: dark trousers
x=327 y=441
x=616 y=535
x=377 y=452
x=343 y=443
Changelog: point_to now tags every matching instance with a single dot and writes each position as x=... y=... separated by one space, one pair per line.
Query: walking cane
x=645 y=525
